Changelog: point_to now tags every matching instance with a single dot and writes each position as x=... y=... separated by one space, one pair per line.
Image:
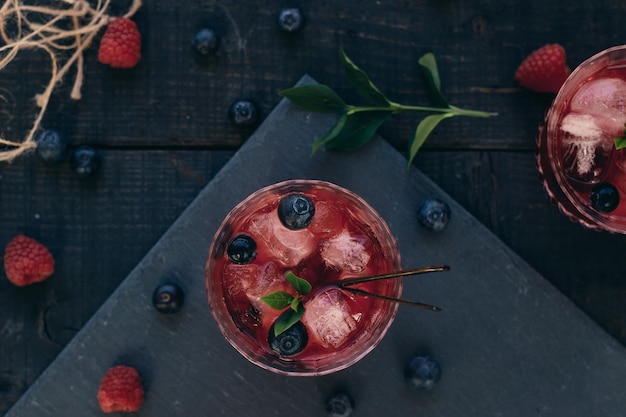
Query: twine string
x=55 y=40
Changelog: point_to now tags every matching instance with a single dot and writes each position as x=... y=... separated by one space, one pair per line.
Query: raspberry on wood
x=27 y=261
x=120 y=46
x=544 y=70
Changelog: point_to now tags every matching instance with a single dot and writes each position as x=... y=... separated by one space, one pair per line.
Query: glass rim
x=573 y=207
x=294 y=367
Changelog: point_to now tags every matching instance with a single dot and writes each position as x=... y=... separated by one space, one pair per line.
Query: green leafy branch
x=280 y=300
x=357 y=124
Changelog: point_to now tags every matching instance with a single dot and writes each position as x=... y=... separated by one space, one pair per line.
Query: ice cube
x=238 y=279
x=587 y=147
x=329 y=318
x=328 y=220
x=605 y=99
x=345 y=252
x=251 y=280
x=244 y=285
x=286 y=246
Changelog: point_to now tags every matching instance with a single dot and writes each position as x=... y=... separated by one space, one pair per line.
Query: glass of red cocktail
x=273 y=275
x=580 y=155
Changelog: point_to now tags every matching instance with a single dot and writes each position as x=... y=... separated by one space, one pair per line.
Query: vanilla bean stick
x=358 y=280
x=395 y=300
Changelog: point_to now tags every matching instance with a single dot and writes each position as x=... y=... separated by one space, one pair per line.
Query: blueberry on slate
x=290 y=19
x=604 y=197
x=339 y=405
x=85 y=161
x=205 y=41
x=168 y=298
x=243 y=113
x=242 y=249
x=434 y=214
x=51 y=146
x=291 y=341
x=422 y=372
x=296 y=211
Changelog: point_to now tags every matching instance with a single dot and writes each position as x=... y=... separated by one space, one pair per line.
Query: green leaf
x=620 y=142
x=424 y=128
x=287 y=319
x=278 y=299
x=361 y=82
x=429 y=68
x=332 y=133
x=295 y=304
x=314 y=97
x=354 y=130
x=299 y=284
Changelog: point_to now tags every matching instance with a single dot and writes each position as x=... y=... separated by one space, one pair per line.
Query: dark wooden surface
x=164 y=134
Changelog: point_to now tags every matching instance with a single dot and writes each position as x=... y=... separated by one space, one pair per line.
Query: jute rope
x=54 y=40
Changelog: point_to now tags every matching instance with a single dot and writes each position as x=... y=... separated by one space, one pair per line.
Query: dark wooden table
x=163 y=133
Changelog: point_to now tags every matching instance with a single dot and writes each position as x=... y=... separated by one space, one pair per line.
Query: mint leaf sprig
x=280 y=300
x=357 y=124
x=620 y=142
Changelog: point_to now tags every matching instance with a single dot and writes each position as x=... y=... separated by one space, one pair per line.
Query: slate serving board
x=508 y=342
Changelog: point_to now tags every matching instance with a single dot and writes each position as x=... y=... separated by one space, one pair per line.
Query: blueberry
x=290 y=19
x=85 y=161
x=243 y=113
x=168 y=298
x=242 y=249
x=339 y=405
x=604 y=197
x=296 y=211
x=434 y=214
x=51 y=146
x=291 y=341
x=422 y=372
x=205 y=41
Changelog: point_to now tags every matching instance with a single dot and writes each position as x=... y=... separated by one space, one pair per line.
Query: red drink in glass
x=253 y=250
x=583 y=172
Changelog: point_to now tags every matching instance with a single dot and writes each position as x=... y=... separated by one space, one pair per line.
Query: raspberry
x=544 y=70
x=120 y=390
x=27 y=261
x=120 y=46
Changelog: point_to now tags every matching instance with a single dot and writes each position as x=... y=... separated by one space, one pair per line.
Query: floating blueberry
x=296 y=211
x=85 y=161
x=291 y=341
x=51 y=146
x=290 y=19
x=604 y=197
x=205 y=41
x=168 y=298
x=422 y=372
x=243 y=113
x=242 y=249
x=434 y=214
x=339 y=405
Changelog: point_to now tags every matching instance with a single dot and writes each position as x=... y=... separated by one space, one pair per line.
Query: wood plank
x=506 y=337
x=97 y=231
x=169 y=99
